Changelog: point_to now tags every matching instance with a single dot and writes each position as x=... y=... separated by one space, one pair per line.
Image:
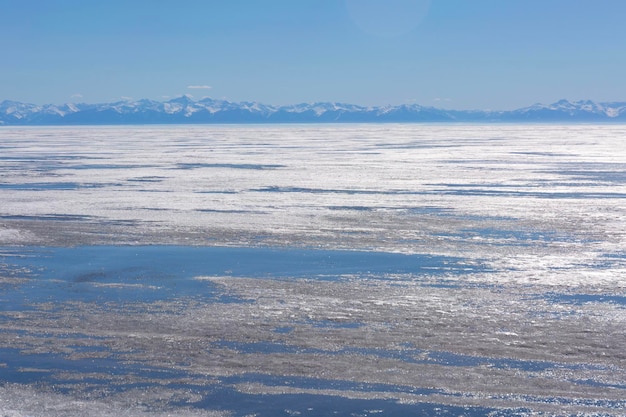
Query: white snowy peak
x=581 y=108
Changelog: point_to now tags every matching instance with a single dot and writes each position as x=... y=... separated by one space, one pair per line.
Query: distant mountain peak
x=184 y=99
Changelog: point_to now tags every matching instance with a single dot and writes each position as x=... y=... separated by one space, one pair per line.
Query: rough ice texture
x=536 y=213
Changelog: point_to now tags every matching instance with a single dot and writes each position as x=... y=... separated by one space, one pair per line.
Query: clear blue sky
x=481 y=54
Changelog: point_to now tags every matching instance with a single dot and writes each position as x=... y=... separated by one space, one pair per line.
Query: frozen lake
x=313 y=270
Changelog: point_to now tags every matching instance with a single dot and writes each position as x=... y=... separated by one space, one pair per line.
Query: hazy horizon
x=380 y=105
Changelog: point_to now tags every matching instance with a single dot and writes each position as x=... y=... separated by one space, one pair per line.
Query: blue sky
x=463 y=54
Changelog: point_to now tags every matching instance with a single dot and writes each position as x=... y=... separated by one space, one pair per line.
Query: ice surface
x=370 y=187
x=478 y=269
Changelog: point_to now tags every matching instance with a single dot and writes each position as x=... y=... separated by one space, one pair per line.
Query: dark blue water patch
x=543 y=154
x=69 y=218
x=96 y=278
x=580 y=299
x=27 y=368
x=442 y=358
x=474 y=186
x=284 y=329
x=216 y=192
x=50 y=217
x=416 y=145
x=610 y=261
x=480 y=192
x=233 y=211
x=305 y=190
x=311 y=405
x=15 y=158
x=44 y=163
x=147 y=179
x=107 y=166
x=599 y=173
x=325 y=404
x=445 y=358
x=67 y=376
x=455 y=359
x=461 y=190
x=53 y=368
x=53 y=186
x=231 y=166
x=351 y=208
x=190 y=261
x=149 y=273
x=603 y=263
x=428 y=210
x=143 y=190
x=155 y=209
x=55 y=158
x=241 y=404
x=594 y=383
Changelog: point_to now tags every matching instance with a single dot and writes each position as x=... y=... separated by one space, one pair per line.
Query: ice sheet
x=460 y=269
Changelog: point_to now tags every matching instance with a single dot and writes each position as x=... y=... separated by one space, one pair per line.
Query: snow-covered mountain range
x=185 y=110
